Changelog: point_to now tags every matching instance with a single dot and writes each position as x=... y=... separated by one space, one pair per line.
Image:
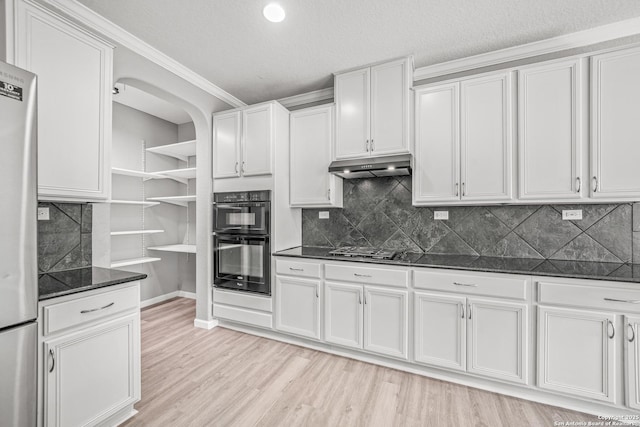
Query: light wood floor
x=194 y=377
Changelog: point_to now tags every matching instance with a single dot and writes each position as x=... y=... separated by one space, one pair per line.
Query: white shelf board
x=189 y=249
x=180 y=150
x=180 y=175
x=131 y=232
x=175 y=200
x=133 y=261
x=134 y=202
x=135 y=173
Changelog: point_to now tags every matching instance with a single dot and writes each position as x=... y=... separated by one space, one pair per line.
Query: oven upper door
x=241 y=259
x=241 y=218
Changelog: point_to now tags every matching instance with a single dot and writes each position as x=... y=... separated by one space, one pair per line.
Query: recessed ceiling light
x=391 y=168
x=273 y=12
x=347 y=171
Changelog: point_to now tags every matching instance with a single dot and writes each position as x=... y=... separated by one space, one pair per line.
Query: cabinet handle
x=595 y=184
x=373 y=147
x=463 y=189
x=578 y=184
x=366 y=145
x=365 y=298
x=469 y=311
x=329 y=194
x=236 y=168
x=626 y=301
x=361 y=275
x=360 y=298
x=471 y=285
x=96 y=309
x=457 y=192
x=613 y=329
x=633 y=332
x=242 y=169
x=53 y=360
x=296 y=269
x=462 y=309
x=317 y=291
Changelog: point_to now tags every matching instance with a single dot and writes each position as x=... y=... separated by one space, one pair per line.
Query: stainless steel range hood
x=371 y=167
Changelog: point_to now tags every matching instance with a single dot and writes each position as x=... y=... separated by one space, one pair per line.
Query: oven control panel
x=242 y=196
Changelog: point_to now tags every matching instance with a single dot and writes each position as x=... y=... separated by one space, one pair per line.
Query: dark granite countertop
x=59 y=283
x=531 y=267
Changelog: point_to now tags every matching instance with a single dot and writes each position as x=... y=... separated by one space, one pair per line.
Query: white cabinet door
x=386 y=321
x=343 y=314
x=390 y=84
x=311 y=142
x=486 y=138
x=632 y=357
x=440 y=330
x=615 y=102
x=576 y=352
x=497 y=339
x=226 y=145
x=437 y=158
x=257 y=140
x=549 y=131
x=352 y=114
x=298 y=306
x=92 y=374
x=74 y=103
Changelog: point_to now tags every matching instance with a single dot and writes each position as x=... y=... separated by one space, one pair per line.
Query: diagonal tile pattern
x=378 y=212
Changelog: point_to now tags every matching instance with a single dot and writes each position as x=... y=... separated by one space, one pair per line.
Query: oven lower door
x=242 y=263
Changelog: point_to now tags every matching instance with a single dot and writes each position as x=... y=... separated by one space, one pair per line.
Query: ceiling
x=150 y=104
x=230 y=43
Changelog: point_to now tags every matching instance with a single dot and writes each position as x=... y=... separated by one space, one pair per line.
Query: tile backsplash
x=378 y=212
x=64 y=241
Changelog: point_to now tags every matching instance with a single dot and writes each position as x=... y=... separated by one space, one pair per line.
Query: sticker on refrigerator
x=10 y=91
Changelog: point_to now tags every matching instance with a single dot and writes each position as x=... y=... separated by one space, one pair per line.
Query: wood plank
x=195 y=377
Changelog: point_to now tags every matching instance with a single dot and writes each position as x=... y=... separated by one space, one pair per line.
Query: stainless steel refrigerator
x=18 y=247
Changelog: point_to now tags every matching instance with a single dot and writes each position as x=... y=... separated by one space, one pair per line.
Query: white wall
x=187 y=265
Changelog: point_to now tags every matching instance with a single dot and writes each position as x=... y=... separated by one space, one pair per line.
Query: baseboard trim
x=165 y=297
x=205 y=324
x=185 y=294
x=526 y=392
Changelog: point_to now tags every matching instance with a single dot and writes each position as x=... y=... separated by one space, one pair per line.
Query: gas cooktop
x=363 y=251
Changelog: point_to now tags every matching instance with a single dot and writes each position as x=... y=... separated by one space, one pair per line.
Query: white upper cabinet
x=372 y=110
x=463 y=141
x=244 y=140
x=226 y=137
x=74 y=71
x=486 y=138
x=437 y=154
x=311 y=142
x=549 y=131
x=615 y=102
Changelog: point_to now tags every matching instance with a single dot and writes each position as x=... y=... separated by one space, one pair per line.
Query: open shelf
x=131 y=232
x=175 y=200
x=135 y=173
x=133 y=261
x=188 y=249
x=180 y=150
x=134 y=202
x=180 y=175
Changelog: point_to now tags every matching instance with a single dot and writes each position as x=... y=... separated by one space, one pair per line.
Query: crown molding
x=616 y=30
x=108 y=29
x=307 y=98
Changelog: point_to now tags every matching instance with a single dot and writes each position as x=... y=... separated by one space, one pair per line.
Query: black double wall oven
x=241 y=249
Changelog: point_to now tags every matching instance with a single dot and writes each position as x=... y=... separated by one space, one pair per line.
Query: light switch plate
x=43 y=214
x=572 y=215
x=323 y=215
x=442 y=215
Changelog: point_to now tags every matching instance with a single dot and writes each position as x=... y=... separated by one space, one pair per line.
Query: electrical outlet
x=572 y=215
x=442 y=215
x=43 y=214
x=323 y=215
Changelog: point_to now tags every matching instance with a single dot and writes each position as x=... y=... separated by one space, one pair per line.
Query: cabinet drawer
x=87 y=309
x=503 y=286
x=598 y=297
x=242 y=300
x=242 y=315
x=297 y=268
x=367 y=275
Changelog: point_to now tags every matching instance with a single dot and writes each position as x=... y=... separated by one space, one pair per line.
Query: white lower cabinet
x=576 y=352
x=633 y=361
x=89 y=374
x=485 y=337
x=367 y=317
x=298 y=306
